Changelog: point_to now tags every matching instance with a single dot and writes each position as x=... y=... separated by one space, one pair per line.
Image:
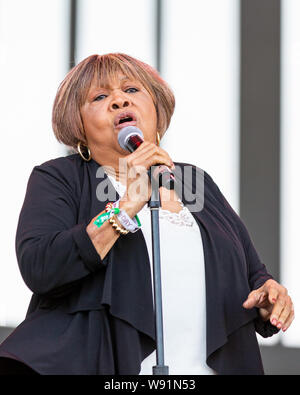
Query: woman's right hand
x=138 y=191
x=137 y=194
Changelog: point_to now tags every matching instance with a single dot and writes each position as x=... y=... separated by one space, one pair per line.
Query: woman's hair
x=72 y=93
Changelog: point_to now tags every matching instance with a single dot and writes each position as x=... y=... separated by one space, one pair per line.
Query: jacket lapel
x=127 y=286
x=225 y=273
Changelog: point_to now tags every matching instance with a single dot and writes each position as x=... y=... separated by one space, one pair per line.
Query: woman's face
x=107 y=110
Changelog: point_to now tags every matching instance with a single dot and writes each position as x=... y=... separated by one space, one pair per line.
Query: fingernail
x=284 y=329
x=273 y=300
x=279 y=325
x=274 y=321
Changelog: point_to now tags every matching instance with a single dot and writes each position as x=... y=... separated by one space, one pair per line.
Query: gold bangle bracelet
x=117 y=227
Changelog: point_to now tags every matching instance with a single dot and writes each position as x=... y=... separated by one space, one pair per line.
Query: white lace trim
x=183 y=218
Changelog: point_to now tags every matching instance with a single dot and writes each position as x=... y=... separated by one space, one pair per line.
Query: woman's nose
x=119 y=101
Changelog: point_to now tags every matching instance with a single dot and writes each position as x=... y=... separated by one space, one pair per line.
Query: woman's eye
x=131 y=90
x=100 y=97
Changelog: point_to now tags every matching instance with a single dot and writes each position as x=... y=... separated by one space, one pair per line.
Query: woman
x=89 y=270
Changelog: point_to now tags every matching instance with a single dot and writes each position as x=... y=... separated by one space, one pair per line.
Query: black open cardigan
x=93 y=316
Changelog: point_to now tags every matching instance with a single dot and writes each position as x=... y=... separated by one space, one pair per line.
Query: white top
x=183 y=290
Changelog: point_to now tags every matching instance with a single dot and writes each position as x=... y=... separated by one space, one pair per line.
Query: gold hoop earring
x=81 y=154
x=157 y=138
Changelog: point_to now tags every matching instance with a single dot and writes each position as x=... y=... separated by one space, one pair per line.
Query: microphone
x=130 y=138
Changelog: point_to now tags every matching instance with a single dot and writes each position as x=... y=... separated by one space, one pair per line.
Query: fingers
x=149 y=154
x=251 y=300
x=283 y=312
x=289 y=320
x=255 y=299
x=137 y=164
x=276 y=312
x=274 y=303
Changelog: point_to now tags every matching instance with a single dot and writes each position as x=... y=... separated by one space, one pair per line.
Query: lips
x=126 y=118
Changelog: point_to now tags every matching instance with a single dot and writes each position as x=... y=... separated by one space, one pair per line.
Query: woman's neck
x=114 y=165
x=117 y=172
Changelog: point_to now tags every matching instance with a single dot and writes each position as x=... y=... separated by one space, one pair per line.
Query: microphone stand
x=154 y=204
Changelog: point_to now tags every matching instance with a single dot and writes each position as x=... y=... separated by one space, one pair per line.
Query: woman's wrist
x=103 y=238
x=129 y=224
x=131 y=207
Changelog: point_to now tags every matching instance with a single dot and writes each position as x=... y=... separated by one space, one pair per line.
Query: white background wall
x=33 y=60
x=201 y=63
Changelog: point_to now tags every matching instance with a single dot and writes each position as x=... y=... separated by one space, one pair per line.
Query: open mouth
x=125 y=119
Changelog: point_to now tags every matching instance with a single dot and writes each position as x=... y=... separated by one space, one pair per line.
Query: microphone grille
x=125 y=134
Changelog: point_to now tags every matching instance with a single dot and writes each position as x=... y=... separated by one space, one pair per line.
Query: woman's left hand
x=274 y=303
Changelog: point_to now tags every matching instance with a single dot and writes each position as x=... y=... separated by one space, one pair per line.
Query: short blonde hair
x=72 y=92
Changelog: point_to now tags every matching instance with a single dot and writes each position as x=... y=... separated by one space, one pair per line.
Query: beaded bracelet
x=117 y=227
x=133 y=225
